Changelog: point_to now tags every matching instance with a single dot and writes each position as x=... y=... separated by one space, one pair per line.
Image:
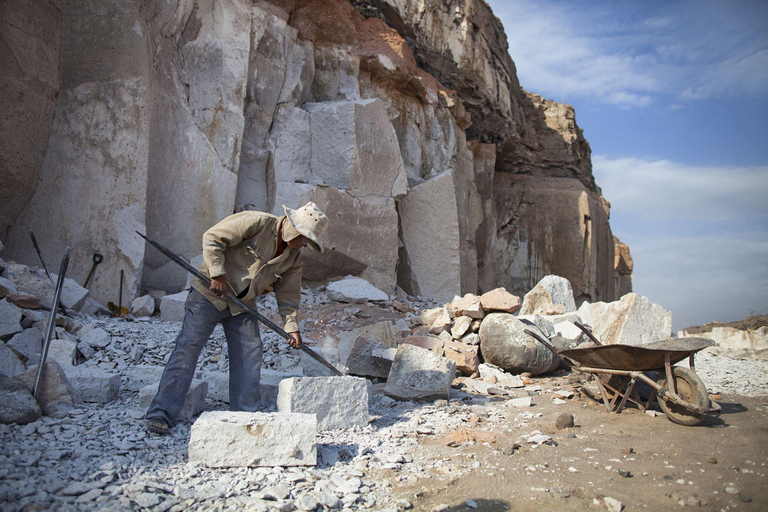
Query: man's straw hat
x=308 y=221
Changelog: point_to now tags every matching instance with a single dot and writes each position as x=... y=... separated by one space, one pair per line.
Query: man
x=248 y=254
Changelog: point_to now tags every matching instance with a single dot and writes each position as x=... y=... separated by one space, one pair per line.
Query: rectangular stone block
x=93 y=384
x=62 y=351
x=193 y=404
x=338 y=402
x=418 y=374
x=221 y=439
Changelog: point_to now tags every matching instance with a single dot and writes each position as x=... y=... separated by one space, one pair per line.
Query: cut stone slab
x=93 y=385
x=354 y=289
x=10 y=320
x=544 y=298
x=469 y=305
x=10 y=364
x=418 y=374
x=501 y=300
x=504 y=343
x=465 y=357
x=251 y=439
x=633 y=320
x=143 y=306
x=28 y=343
x=172 y=307
x=364 y=357
x=338 y=402
x=431 y=343
x=96 y=338
x=17 y=405
x=62 y=351
x=141 y=376
x=54 y=385
x=194 y=403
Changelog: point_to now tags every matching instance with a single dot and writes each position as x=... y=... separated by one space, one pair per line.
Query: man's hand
x=219 y=286
x=295 y=339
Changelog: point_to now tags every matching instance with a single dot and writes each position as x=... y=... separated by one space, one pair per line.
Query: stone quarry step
x=250 y=439
x=338 y=402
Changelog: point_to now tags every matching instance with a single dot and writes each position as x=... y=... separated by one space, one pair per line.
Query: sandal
x=158 y=426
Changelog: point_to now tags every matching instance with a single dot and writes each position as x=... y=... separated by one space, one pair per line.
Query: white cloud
x=660 y=189
x=627 y=54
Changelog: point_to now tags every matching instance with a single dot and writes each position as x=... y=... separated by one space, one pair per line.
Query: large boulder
x=550 y=292
x=54 y=386
x=504 y=343
x=17 y=405
x=633 y=320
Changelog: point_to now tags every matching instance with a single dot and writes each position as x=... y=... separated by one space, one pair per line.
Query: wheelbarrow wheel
x=690 y=388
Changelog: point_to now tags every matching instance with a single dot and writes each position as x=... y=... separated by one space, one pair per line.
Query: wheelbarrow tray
x=639 y=358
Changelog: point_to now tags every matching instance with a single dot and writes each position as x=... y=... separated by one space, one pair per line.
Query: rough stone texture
x=10 y=365
x=33 y=281
x=431 y=343
x=143 y=306
x=54 y=385
x=252 y=439
x=742 y=343
x=550 y=291
x=62 y=351
x=270 y=387
x=93 y=384
x=337 y=402
x=504 y=343
x=469 y=305
x=28 y=343
x=465 y=357
x=623 y=266
x=354 y=289
x=633 y=320
x=17 y=405
x=418 y=374
x=430 y=256
x=10 y=320
x=550 y=226
x=172 y=307
x=194 y=403
x=441 y=323
x=96 y=338
x=30 y=34
x=500 y=299
x=7 y=287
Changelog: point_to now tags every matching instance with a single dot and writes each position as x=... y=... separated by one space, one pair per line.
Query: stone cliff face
x=404 y=121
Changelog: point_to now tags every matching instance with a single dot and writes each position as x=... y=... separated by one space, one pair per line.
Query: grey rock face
x=313 y=368
x=10 y=320
x=29 y=344
x=504 y=343
x=10 y=365
x=419 y=374
x=17 y=405
x=253 y=439
x=338 y=402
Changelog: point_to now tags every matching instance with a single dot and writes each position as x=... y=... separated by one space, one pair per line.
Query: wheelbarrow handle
x=568 y=361
x=588 y=333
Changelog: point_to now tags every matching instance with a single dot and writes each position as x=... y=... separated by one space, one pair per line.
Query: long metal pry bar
x=192 y=270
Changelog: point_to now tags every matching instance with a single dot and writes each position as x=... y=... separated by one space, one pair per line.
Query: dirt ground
x=719 y=465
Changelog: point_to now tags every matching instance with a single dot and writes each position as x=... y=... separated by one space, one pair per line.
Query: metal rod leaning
x=52 y=318
x=192 y=270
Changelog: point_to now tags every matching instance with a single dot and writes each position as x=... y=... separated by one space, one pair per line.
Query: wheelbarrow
x=680 y=393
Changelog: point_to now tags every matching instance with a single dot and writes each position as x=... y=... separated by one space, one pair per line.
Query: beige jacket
x=242 y=247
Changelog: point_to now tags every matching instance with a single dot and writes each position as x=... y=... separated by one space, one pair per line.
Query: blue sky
x=673 y=98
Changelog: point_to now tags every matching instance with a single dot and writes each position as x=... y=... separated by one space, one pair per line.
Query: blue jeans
x=245 y=349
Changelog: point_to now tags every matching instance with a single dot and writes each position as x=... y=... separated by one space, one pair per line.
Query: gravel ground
x=99 y=457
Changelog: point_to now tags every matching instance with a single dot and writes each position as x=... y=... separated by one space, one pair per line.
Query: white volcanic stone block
x=62 y=351
x=251 y=439
x=354 y=289
x=143 y=306
x=338 y=402
x=93 y=385
x=194 y=403
x=10 y=320
x=550 y=292
x=460 y=327
x=172 y=307
x=270 y=385
x=432 y=242
x=633 y=320
x=419 y=374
